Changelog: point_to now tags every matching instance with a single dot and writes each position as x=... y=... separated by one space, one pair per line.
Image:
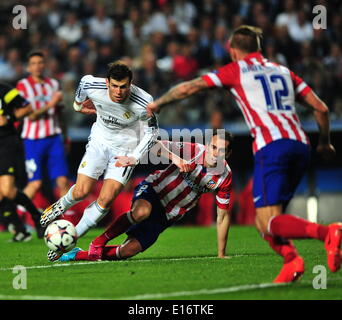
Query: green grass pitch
x=181 y=265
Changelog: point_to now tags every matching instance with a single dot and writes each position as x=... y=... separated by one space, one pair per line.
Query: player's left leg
x=128 y=249
x=99 y=208
x=145 y=221
x=291 y=227
x=141 y=210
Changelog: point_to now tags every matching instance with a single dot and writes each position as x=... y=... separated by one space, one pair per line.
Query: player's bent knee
x=105 y=201
x=80 y=193
x=141 y=213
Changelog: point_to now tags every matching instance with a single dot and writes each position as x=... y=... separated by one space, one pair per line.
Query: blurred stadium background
x=166 y=42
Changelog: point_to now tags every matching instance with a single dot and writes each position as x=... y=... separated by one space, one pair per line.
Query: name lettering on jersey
x=258 y=67
x=196 y=187
x=110 y=120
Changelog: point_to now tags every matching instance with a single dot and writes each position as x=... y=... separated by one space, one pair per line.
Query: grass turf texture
x=181 y=265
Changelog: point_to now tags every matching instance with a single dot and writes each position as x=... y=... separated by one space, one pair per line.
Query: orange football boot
x=332 y=244
x=291 y=271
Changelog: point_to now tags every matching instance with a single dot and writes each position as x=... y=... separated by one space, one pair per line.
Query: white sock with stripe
x=91 y=216
x=67 y=200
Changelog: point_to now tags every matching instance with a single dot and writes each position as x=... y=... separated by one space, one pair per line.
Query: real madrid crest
x=127 y=115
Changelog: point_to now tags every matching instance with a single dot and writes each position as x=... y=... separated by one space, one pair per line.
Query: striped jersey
x=38 y=95
x=266 y=93
x=179 y=191
x=125 y=126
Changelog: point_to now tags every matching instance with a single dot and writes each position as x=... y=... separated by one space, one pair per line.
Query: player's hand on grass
x=327 y=151
x=88 y=107
x=124 y=161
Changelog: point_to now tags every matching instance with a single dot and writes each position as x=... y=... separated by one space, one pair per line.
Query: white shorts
x=99 y=159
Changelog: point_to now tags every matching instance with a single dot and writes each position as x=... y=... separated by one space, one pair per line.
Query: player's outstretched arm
x=222 y=227
x=321 y=113
x=85 y=107
x=182 y=164
x=180 y=91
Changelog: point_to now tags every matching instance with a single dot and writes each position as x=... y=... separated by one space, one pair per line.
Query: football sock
x=22 y=199
x=109 y=253
x=91 y=216
x=292 y=227
x=282 y=246
x=118 y=226
x=8 y=210
x=68 y=200
x=81 y=255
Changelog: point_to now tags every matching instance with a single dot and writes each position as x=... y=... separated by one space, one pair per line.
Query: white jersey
x=120 y=125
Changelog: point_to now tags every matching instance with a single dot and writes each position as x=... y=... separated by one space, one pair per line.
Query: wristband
x=77 y=107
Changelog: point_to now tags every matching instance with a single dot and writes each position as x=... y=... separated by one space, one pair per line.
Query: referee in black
x=14 y=107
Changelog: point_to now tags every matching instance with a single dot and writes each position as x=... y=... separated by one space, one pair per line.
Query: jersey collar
x=257 y=55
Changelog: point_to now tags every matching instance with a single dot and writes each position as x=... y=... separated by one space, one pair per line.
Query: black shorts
x=148 y=231
x=12 y=156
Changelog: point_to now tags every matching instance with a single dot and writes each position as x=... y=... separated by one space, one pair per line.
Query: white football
x=60 y=235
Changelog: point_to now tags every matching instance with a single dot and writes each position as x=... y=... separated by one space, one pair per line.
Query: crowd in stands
x=170 y=41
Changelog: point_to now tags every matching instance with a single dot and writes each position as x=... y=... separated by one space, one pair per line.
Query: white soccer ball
x=60 y=236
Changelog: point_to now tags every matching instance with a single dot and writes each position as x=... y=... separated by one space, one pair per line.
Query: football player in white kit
x=122 y=134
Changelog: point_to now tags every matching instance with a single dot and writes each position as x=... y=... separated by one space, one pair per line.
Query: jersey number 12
x=273 y=97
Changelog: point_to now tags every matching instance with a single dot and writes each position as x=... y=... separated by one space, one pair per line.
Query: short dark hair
x=226 y=135
x=246 y=38
x=35 y=53
x=118 y=70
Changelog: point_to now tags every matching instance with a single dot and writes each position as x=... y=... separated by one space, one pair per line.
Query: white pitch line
x=202 y=291
x=212 y=291
x=157 y=296
x=153 y=295
x=56 y=265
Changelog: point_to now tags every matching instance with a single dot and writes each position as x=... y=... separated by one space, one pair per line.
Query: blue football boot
x=69 y=256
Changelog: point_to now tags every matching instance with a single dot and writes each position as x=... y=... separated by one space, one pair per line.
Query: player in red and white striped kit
x=166 y=195
x=266 y=93
x=41 y=132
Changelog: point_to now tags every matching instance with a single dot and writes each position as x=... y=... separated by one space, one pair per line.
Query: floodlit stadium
x=220 y=121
